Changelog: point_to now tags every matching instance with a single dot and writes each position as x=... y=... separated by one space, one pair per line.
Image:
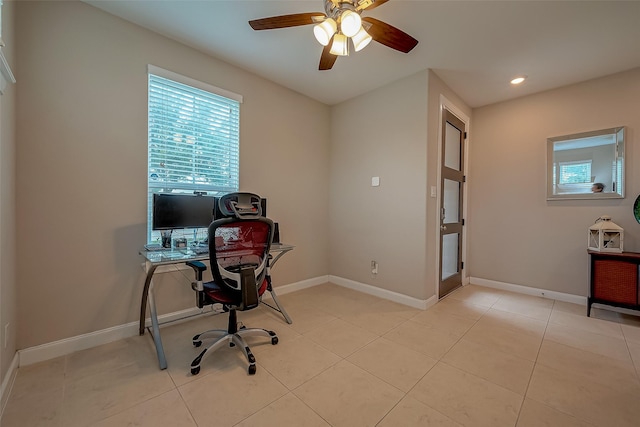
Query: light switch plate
x=375 y=181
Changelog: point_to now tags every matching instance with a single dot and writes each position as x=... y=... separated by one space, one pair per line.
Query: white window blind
x=578 y=172
x=193 y=137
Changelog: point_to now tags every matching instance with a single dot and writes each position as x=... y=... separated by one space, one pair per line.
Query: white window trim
x=161 y=72
x=6 y=76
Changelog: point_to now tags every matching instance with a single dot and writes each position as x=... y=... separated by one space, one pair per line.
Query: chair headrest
x=240 y=205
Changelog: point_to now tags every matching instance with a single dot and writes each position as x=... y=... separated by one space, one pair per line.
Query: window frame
x=195 y=88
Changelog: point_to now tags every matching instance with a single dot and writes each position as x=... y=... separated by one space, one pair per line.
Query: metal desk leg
x=280 y=308
x=145 y=293
x=275 y=259
x=155 y=330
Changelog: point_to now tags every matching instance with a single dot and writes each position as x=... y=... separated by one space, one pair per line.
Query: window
x=193 y=138
x=578 y=172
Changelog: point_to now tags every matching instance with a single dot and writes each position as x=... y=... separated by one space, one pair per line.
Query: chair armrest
x=198 y=267
x=198 y=286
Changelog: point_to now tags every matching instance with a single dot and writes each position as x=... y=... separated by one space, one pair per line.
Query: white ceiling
x=476 y=47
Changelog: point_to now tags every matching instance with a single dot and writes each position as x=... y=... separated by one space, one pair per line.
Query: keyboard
x=200 y=250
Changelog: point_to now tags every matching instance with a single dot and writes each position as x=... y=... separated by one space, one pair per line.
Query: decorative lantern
x=605 y=236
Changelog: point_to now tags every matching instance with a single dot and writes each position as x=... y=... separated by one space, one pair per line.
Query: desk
x=154 y=259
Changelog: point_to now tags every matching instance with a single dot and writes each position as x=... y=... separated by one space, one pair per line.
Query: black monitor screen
x=182 y=211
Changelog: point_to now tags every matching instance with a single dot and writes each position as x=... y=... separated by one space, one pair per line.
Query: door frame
x=453 y=109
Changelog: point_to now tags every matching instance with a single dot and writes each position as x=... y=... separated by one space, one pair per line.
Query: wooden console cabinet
x=614 y=280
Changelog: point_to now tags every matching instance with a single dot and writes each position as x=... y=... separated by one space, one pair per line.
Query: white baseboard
x=31 y=355
x=384 y=293
x=48 y=351
x=66 y=346
x=7 y=383
x=527 y=290
x=297 y=286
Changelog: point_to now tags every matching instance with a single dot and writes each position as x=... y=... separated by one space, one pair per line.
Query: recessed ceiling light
x=518 y=80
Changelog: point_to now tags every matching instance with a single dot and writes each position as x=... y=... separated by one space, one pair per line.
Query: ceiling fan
x=341 y=22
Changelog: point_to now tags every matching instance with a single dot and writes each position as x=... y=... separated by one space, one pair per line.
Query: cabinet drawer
x=615 y=281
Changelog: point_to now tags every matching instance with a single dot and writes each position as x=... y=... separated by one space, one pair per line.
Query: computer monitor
x=218 y=214
x=171 y=211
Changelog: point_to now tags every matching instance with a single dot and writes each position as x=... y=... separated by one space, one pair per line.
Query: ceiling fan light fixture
x=340 y=46
x=324 y=31
x=350 y=23
x=361 y=39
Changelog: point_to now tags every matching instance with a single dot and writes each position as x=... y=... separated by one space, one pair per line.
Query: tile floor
x=480 y=357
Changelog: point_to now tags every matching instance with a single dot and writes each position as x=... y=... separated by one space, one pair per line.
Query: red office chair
x=239 y=254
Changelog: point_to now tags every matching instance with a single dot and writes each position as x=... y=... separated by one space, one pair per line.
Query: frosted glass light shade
x=350 y=23
x=324 y=30
x=340 y=46
x=361 y=39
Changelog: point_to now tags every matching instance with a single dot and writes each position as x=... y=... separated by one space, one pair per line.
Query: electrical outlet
x=6 y=335
x=374 y=267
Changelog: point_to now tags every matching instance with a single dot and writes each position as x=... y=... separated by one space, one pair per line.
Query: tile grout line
x=440 y=360
x=184 y=402
x=535 y=363
x=589 y=422
x=636 y=366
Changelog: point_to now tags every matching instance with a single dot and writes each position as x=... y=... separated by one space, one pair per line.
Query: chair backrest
x=240 y=242
x=240 y=205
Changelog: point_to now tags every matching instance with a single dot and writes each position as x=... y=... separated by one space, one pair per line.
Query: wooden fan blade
x=390 y=36
x=327 y=59
x=285 y=21
x=370 y=4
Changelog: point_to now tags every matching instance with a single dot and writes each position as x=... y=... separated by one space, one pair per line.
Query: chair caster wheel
x=274 y=340
x=195 y=371
x=197 y=343
x=252 y=369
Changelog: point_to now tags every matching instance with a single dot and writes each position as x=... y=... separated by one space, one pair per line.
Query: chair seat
x=226 y=295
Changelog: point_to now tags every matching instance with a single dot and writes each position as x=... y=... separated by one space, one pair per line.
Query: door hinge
x=461 y=265
x=463 y=222
x=465 y=135
x=464 y=178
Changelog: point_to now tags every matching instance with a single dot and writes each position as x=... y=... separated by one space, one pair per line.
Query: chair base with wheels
x=234 y=337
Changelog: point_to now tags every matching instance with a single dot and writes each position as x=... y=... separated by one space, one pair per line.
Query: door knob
x=443 y=227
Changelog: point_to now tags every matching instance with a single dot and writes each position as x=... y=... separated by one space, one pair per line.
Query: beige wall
x=390 y=132
x=8 y=289
x=517 y=236
x=382 y=133
x=82 y=158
